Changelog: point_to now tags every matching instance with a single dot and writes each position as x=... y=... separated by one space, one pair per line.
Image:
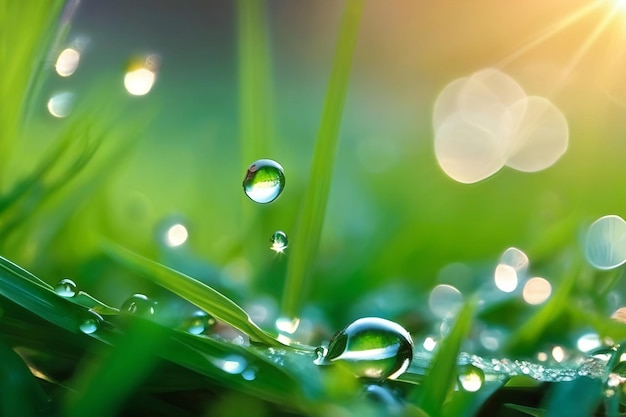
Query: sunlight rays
x=563 y=24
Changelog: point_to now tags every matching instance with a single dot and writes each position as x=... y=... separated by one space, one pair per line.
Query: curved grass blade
x=203 y=296
x=442 y=375
x=309 y=228
x=30 y=292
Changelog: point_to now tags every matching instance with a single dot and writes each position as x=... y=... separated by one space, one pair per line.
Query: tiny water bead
x=471 y=378
x=198 y=323
x=90 y=322
x=370 y=347
x=279 y=242
x=66 y=288
x=139 y=305
x=264 y=181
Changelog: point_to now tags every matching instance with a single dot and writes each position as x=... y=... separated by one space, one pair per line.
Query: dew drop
x=279 y=242
x=471 y=378
x=139 y=305
x=249 y=374
x=233 y=364
x=320 y=353
x=264 y=181
x=384 y=398
x=66 y=288
x=90 y=323
x=372 y=348
x=198 y=323
x=605 y=242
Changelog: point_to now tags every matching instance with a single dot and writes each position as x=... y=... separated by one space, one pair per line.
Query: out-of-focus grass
x=377 y=221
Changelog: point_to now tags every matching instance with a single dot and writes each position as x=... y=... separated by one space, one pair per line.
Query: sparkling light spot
x=605 y=242
x=620 y=315
x=429 y=344
x=558 y=354
x=505 y=278
x=67 y=62
x=536 y=291
x=139 y=82
x=445 y=300
x=61 y=104
x=588 y=342
x=542 y=356
x=176 y=235
x=286 y=325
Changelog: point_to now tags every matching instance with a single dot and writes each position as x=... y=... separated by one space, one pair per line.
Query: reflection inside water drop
x=264 y=181
x=198 y=323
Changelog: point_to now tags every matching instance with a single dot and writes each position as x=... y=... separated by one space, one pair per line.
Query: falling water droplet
x=90 y=322
x=471 y=378
x=198 y=323
x=264 y=181
x=139 y=305
x=279 y=242
x=372 y=348
x=66 y=288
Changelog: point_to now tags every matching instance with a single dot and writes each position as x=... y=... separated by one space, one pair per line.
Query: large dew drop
x=605 y=242
x=371 y=348
x=264 y=181
x=66 y=288
x=139 y=305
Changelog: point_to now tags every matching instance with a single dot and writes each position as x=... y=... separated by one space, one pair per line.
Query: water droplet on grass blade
x=605 y=242
x=66 y=288
x=198 y=323
x=139 y=305
x=371 y=348
x=264 y=181
x=90 y=322
x=279 y=242
x=471 y=378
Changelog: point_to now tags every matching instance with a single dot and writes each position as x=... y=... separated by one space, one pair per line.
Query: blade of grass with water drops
x=531 y=411
x=203 y=296
x=28 y=291
x=313 y=208
x=441 y=377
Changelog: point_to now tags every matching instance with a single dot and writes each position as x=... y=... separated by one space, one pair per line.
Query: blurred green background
x=394 y=220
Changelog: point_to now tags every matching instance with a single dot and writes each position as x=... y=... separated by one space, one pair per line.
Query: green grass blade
x=118 y=373
x=255 y=103
x=23 y=288
x=21 y=395
x=203 y=296
x=531 y=411
x=442 y=375
x=311 y=221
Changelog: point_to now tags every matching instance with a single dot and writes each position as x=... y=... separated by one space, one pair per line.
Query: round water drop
x=198 y=323
x=90 y=323
x=372 y=348
x=139 y=305
x=264 y=181
x=605 y=242
x=66 y=288
x=249 y=374
x=279 y=242
x=471 y=378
